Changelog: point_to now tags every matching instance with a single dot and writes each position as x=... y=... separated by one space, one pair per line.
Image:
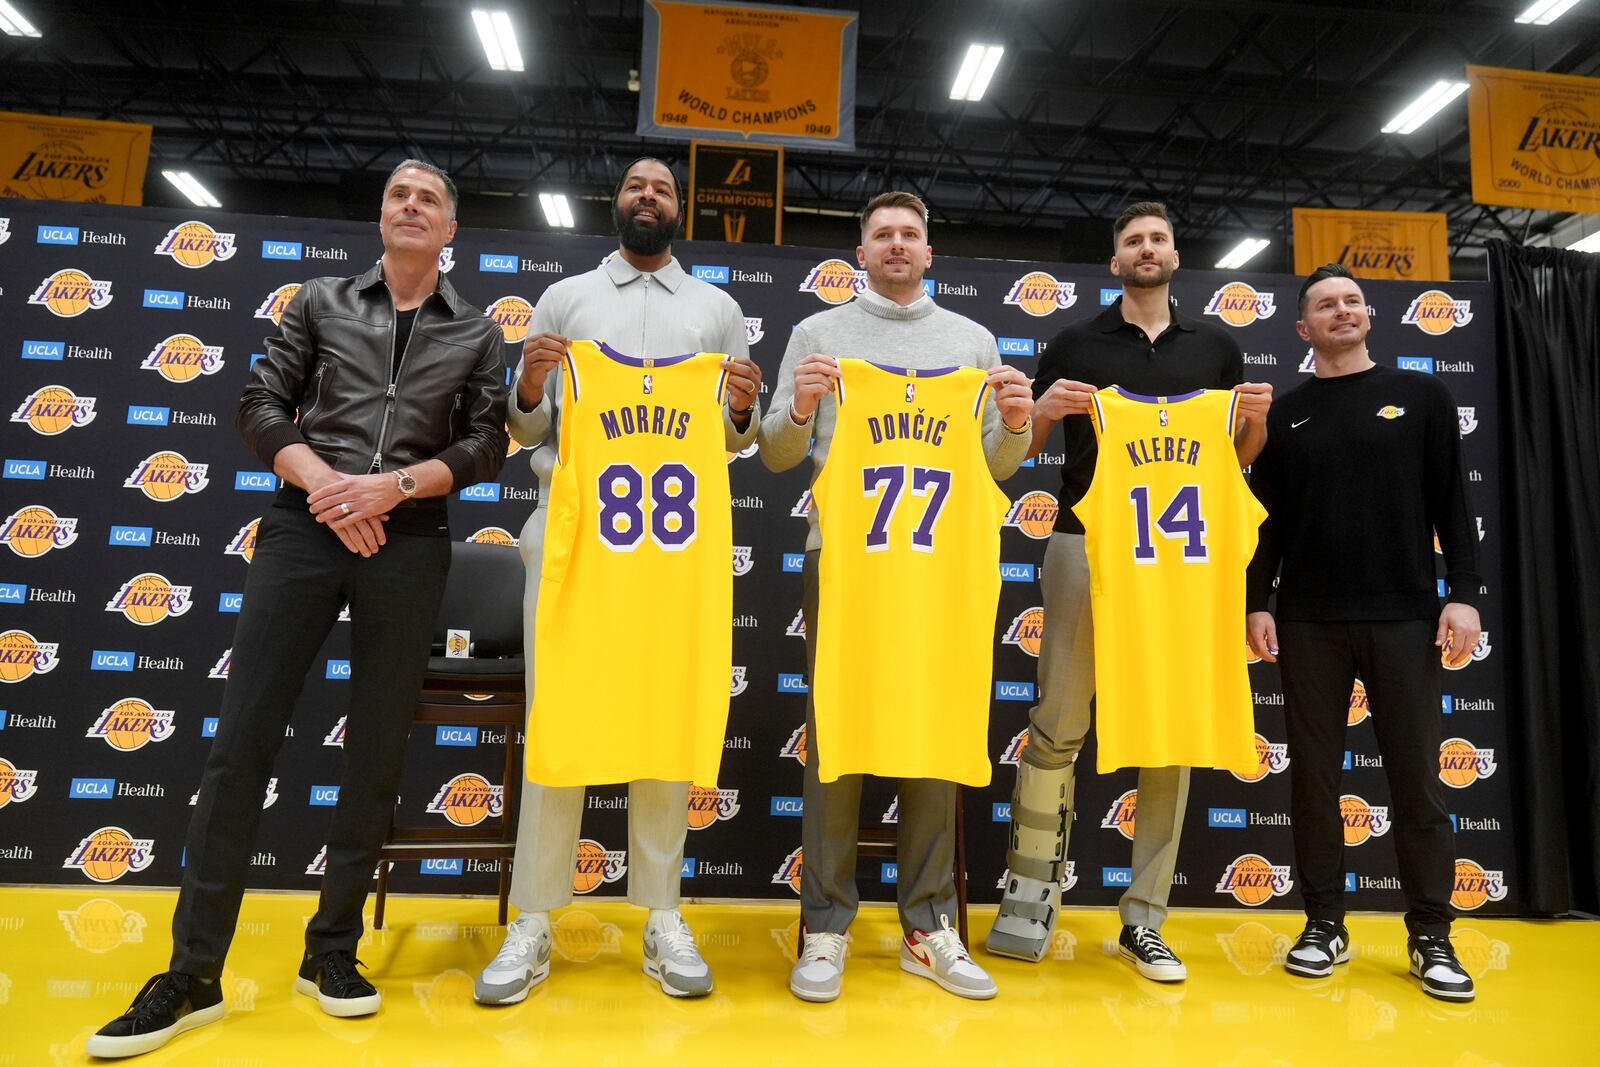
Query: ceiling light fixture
x=1544 y=12
x=1425 y=106
x=186 y=184
x=972 y=81
x=557 y=210
x=499 y=39
x=1242 y=253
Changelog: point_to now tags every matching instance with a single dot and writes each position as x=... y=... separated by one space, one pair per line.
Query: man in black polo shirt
x=1142 y=344
x=1363 y=467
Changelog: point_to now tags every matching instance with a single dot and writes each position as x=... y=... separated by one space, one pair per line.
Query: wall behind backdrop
x=126 y=335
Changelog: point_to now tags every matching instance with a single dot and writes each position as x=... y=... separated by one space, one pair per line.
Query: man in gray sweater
x=891 y=320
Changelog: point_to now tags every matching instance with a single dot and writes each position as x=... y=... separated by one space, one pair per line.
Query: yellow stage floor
x=72 y=959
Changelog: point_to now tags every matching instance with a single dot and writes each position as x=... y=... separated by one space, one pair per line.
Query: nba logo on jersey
x=649 y=384
x=1163 y=416
x=911 y=392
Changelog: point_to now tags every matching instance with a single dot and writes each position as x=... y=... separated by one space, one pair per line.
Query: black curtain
x=1547 y=304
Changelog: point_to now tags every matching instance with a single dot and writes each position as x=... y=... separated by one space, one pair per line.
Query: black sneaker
x=332 y=978
x=1143 y=947
x=1434 y=961
x=169 y=1004
x=1323 y=943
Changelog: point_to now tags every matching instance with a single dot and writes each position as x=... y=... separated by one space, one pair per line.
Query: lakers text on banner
x=736 y=193
x=1405 y=245
x=1535 y=139
x=47 y=157
x=760 y=72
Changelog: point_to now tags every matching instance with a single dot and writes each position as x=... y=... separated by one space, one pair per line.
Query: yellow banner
x=1374 y=244
x=47 y=157
x=1535 y=139
x=774 y=75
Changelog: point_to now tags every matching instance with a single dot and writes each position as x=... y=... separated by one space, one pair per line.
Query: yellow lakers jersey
x=910 y=577
x=1170 y=526
x=634 y=644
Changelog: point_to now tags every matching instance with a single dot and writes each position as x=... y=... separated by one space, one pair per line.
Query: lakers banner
x=1405 y=245
x=45 y=157
x=757 y=72
x=736 y=193
x=1535 y=139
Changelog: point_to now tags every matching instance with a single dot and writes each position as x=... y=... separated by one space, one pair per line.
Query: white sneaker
x=942 y=957
x=522 y=962
x=819 y=972
x=672 y=958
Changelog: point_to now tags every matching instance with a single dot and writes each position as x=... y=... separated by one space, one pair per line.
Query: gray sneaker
x=819 y=972
x=672 y=958
x=942 y=957
x=522 y=963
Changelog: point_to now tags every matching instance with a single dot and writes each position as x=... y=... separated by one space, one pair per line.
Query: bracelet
x=796 y=419
x=1020 y=430
x=738 y=412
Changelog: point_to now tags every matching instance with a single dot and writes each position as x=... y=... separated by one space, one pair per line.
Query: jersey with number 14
x=1170 y=527
x=910 y=577
x=633 y=648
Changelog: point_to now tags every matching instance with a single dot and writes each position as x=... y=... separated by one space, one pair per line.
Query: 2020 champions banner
x=128 y=525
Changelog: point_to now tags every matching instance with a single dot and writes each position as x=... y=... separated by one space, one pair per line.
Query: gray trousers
x=549 y=818
x=925 y=886
x=1059 y=723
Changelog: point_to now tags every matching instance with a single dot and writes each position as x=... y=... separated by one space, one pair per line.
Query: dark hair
x=895 y=198
x=676 y=189
x=1143 y=209
x=1321 y=274
x=417 y=164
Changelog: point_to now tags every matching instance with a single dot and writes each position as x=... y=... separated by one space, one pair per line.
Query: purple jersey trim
x=637 y=361
x=910 y=372
x=1141 y=398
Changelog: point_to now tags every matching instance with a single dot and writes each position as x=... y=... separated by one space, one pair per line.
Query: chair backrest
x=483 y=595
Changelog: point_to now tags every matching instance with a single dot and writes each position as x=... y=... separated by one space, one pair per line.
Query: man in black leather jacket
x=382 y=394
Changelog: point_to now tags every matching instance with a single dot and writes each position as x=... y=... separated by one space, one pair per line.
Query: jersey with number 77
x=1170 y=527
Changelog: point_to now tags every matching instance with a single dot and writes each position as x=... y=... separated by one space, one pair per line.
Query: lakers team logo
x=335 y=738
x=70 y=292
x=130 y=724
x=1120 y=815
x=1476 y=886
x=1390 y=412
x=739 y=681
x=1238 y=304
x=891 y=817
x=277 y=302
x=447 y=259
x=580 y=937
x=1013 y=753
x=514 y=316
x=1461 y=763
x=467 y=800
x=219 y=669
x=319 y=863
x=1271 y=758
x=54 y=409
x=183 y=357
x=788 y=872
x=753 y=333
x=1434 y=312
x=166 y=476
x=834 y=281
x=803 y=506
x=1027 y=631
x=741 y=560
x=16 y=784
x=195 y=244
x=1253 y=949
x=1039 y=294
x=22 y=656
x=1360 y=711
x=1034 y=514
x=1467 y=420
x=743 y=453
x=707 y=806
x=1362 y=821
x=109 y=853
x=1250 y=654
x=243 y=544
x=797 y=625
x=493 y=535
x=149 y=598
x=795 y=747
x=1253 y=881
x=596 y=867
x=1480 y=651
x=100 y=925
x=33 y=530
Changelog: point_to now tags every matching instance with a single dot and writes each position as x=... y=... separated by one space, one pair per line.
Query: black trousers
x=1400 y=668
x=300 y=577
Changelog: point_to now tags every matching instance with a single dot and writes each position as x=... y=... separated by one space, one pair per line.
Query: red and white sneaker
x=942 y=957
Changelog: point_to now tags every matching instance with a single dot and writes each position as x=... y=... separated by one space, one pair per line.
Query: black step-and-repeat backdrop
x=129 y=515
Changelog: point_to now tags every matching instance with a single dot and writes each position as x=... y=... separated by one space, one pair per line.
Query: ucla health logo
x=753 y=333
x=833 y=281
x=243 y=544
x=183 y=357
x=195 y=244
x=149 y=598
x=54 y=409
x=277 y=302
x=130 y=723
x=1039 y=294
x=1239 y=304
x=1016 y=346
x=109 y=853
x=1434 y=312
x=715 y=274
x=22 y=656
x=33 y=529
x=271 y=249
x=497 y=263
x=70 y=292
x=16 y=784
x=165 y=476
x=467 y=800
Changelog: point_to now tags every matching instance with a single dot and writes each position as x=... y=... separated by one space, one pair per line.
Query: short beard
x=644 y=240
x=1163 y=276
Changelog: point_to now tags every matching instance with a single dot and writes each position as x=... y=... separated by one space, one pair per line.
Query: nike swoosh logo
x=922 y=955
x=1297 y=425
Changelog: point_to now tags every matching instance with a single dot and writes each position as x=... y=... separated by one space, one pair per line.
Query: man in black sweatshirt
x=1362 y=466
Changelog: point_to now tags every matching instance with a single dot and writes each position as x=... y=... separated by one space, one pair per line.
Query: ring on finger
x=345 y=507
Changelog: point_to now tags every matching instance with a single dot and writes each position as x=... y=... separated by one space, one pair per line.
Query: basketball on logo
x=22 y=656
x=1475 y=887
x=1250 y=654
x=580 y=937
x=34 y=529
x=1034 y=514
x=54 y=409
x=1027 y=631
x=1461 y=763
x=834 y=281
x=1253 y=881
x=277 y=302
x=795 y=747
x=1013 y=752
x=166 y=476
x=514 y=316
x=707 y=806
x=130 y=724
x=70 y=292
x=195 y=245
x=1362 y=821
x=1359 y=710
x=467 y=800
x=1238 y=304
x=595 y=867
x=183 y=357
x=1435 y=313
x=493 y=535
x=1120 y=817
x=1253 y=949
x=109 y=853
x=16 y=785
x=1039 y=294
x=1270 y=759
x=148 y=598
x=100 y=925
x=788 y=872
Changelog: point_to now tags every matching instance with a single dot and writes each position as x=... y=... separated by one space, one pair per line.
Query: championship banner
x=736 y=193
x=1535 y=139
x=47 y=157
x=757 y=72
x=1404 y=245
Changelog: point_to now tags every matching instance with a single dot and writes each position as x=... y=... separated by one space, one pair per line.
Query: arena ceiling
x=1233 y=111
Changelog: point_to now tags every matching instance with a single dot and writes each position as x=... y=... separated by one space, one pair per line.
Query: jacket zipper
x=322 y=371
x=390 y=394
